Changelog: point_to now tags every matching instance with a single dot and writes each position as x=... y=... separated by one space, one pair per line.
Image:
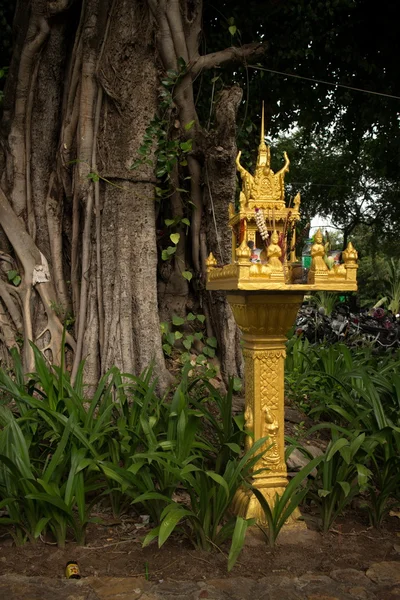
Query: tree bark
x=79 y=225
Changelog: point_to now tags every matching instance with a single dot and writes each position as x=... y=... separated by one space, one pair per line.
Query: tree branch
x=58 y=6
x=233 y=54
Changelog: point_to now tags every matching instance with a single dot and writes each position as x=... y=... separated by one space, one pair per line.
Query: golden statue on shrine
x=274 y=253
x=318 y=253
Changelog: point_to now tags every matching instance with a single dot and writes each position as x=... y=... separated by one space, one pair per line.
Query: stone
x=121 y=588
x=298 y=536
x=176 y=590
x=351 y=576
x=322 y=597
x=385 y=573
x=294 y=416
x=297 y=459
x=308 y=578
x=360 y=593
x=314 y=450
x=255 y=537
x=239 y=588
x=277 y=587
x=18 y=587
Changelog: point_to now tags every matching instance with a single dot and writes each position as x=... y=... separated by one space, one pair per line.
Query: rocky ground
x=380 y=582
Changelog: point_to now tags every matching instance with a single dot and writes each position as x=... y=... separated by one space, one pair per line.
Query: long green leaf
x=238 y=538
x=170 y=522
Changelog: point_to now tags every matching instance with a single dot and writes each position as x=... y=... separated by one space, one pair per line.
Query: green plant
x=284 y=506
x=341 y=475
x=325 y=300
x=46 y=491
x=205 y=513
x=228 y=430
x=184 y=341
x=393 y=286
x=14 y=277
x=383 y=490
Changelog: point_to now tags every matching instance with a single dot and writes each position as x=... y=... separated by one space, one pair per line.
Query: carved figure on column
x=271 y=429
x=249 y=426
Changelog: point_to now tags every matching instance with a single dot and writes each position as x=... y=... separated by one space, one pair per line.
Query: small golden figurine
x=274 y=253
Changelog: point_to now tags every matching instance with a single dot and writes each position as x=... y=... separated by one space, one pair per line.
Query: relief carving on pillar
x=271 y=363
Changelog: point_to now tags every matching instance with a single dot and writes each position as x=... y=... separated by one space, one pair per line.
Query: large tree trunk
x=79 y=224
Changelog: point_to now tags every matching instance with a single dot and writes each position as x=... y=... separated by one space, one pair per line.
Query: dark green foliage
x=127 y=446
x=341 y=475
x=356 y=395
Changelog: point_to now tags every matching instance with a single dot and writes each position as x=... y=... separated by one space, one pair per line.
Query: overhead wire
x=330 y=83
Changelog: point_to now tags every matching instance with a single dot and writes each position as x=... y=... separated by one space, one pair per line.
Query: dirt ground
x=114 y=549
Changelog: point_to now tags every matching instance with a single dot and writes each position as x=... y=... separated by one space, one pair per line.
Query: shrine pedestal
x=264 y=319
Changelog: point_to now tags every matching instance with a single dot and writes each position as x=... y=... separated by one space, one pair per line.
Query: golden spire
x=265 y=187
x=262 y=135
x=263 y=159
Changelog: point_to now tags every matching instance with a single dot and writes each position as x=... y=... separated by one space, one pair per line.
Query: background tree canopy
x=118 y=134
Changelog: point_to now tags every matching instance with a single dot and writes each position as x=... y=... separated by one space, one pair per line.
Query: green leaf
x=175 y=237
x=219 y=479
x=234 y=447
x=171 y=250
x=191 y=317
x=17 y=280
x=167 y=349
x=232 y=29
x=94 y=177
x=237 y=384
x=212 y=341
x=187 y=343
x=151 y=536
x=335 y=447
x=345 y=487
x=200 y=318
x=186 y=146
x=169 y=222
x=11 y=275
x=238 y=537
x=40 y=525
x=210 y=352
x=189 y=125
x=54 y=500
x=185 y=221
x=178 y=335
x=169 y=523
x=363 y=475
x=187 y=275
x=164 y=327
x=170 y=338
x=165 y=255
x=177 y=320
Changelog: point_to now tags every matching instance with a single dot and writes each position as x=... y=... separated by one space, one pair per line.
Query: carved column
x=264 y=319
